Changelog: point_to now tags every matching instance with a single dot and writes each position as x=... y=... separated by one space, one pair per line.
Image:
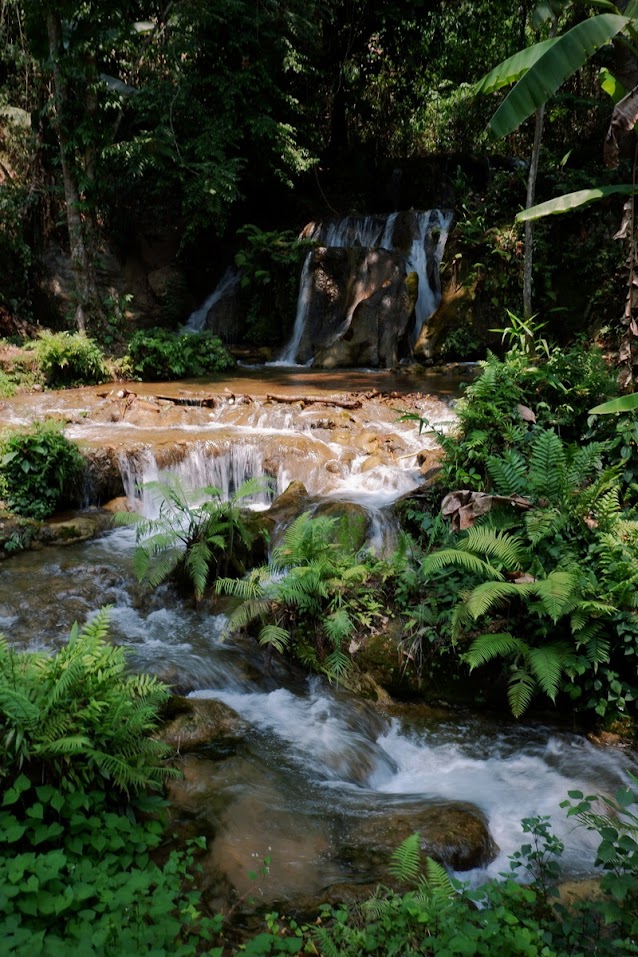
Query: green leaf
x=549 y=71
x=625 y=403
x=512 y=69
x=569 y=201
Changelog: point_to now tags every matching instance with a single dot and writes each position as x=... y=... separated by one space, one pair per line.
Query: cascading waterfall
x=429 y=231
x=196 y=322
x=203 y=464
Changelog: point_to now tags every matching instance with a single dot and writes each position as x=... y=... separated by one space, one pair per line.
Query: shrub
x=77 y=873
x=38 y=468
x=76 y=718
x=159 y=354
x=193 y=543
x=70 y=359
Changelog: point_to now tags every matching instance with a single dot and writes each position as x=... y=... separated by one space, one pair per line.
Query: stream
x=317 y=765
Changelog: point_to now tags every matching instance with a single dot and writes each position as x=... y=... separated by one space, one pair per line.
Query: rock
x=367 y=285
x=170 y=287
x=202 y=723
x=453 y=312
x=453 y=834
x=71 y=529
x=383 y=657
x=351 y=523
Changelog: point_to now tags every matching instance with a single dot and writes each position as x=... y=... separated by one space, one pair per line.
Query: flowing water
x=317 y=762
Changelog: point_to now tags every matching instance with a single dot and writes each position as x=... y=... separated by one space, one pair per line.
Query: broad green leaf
x=569 y=201
x=625 y=403
x=560 y=61
x=512 y=69
x=610 y=85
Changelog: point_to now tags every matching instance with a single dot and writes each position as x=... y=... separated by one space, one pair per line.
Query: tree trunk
x=528 y=260
x=88 y=301
x=528 y=256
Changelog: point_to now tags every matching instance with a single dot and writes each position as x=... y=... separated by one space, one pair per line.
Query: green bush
x=196 y=536
x=77 y=719
x=157 y=354
x=77 y=829
x=39 y=468
x=70 y=359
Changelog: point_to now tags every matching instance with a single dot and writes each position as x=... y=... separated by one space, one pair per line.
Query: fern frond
x=546 y=664
x=541 y=523
x=489 y=646
x=520 y=691
x=336 y=664
x=338 y=626
x=504 y=548
x=464 y=559
x=556 y=593
x=406 y=859
x=196 y=563
x=438 y=878
x=508 y=472
x=547 y=467
x=274 y=636
x=583 y=463
x=489 y=594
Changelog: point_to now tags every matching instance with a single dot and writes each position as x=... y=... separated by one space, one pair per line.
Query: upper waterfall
x=385 y=248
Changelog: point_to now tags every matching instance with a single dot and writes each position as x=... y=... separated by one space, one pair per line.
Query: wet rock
x=383 y=657
x=74 y=528
x=198 y=723
x=453 y=834
x=351 y=523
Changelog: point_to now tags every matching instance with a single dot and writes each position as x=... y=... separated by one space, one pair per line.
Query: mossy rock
x=456 y=835
x=351 y=524
x=193 y=724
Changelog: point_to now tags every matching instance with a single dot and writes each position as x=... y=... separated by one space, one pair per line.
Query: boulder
x=358 y=305
x=197 y=723
x=454 y=834
x=351 y=523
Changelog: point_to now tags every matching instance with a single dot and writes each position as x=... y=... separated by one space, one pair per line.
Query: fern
x=466 y=560
x=547 y=477
x=508 y=472
x=520 y=691
x=557 y=593
x=487 y=647
x=406 y=859
x=546 y=665
x=488 y=595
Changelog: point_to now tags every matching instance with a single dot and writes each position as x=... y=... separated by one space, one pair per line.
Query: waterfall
x=422 y=254
x=203 y=464
x=196 y=322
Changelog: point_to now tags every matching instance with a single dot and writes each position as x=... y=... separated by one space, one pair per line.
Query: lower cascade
x=312 y=777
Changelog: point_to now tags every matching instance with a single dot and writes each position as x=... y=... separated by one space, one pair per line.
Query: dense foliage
x=39 y=468
x=156 y=354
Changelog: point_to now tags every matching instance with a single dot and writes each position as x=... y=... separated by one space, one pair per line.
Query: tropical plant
x=77 y=719
x=69 y=359
x=196 y=537
x=39 y=468
x=310 y=598
x=159 y=354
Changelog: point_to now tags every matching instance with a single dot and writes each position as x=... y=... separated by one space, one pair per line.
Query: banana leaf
x=626 y=403
x=512 y=69
x=569 y=201
x=546 y=73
